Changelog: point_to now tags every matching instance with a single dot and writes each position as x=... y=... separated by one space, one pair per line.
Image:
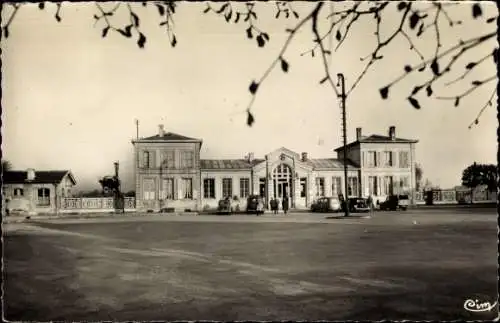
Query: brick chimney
x=358 y=134
x=304 y=156
x=250 y=157
x=30 y=174
x=161 y=130
x=392 y=132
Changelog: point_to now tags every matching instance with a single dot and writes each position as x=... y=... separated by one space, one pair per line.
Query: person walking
x=285 y=204
x=274 y=206
x=370 y=204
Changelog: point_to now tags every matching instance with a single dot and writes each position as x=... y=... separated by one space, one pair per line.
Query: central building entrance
x=282 y=181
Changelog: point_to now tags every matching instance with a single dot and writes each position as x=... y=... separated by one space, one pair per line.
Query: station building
x=170 y=173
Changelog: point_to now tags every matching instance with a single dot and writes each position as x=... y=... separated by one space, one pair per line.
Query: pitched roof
x=329 y=163
x=378 y=139
x=228 y=163
x=41 y=177
x=168 y=136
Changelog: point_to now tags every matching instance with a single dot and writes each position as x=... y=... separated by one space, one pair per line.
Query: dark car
x=358 y=204
x=224 y=207
x=395 y=202
x=255 y=204
x=326 y=204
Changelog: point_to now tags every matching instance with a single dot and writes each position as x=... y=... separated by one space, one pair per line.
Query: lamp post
x=341 y=83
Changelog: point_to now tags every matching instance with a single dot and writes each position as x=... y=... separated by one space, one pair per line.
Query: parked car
x=225 y=207
x=255 y=204
x=395 y=202
x=326 y=204
x=358 y=204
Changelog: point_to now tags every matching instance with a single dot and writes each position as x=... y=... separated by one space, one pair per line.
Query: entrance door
x=282 y=181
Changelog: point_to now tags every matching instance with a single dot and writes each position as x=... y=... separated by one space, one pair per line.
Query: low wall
x=93 y=205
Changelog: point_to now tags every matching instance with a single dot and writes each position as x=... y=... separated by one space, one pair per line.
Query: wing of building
x=170 y=173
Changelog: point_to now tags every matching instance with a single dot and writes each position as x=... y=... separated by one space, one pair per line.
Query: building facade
x=35 y=192
x=170 y=173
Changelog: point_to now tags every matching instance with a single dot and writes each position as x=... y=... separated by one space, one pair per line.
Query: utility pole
x=137 y=128
x=341 y=83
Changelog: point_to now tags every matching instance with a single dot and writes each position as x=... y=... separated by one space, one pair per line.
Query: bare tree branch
x=487 y=104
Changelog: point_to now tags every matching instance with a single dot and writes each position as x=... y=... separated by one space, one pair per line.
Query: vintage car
x=326 y=204
x=358 y=204
x=225 y=206
x=395 y=202
x=255 y=204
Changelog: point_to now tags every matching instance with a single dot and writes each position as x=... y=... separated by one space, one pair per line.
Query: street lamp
x=341 y=83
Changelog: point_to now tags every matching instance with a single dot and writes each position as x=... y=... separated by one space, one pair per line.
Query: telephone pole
x=341 y=83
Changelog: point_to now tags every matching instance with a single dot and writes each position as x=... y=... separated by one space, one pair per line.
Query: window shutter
x=378 y=159
x=152 y=159
x=140 y=158
x=364 y=159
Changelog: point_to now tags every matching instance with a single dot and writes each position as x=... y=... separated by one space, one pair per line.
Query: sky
x=70 y=97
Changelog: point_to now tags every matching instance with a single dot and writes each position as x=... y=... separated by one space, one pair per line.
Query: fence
x=94 y=204
x=460 y=196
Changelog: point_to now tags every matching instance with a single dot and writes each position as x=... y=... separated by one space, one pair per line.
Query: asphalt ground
x=415 y=265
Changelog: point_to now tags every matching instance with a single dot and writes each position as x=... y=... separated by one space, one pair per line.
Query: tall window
x=388 y=162
x=387 y=185
x=372 y=185
x=18 y=192
x=262 y=187
x=227 y=187
x=352 y=185
x=404 y=183
x=371 y=159
x=403 y=159
x=168 y=159
x=187 y=160
x=244 y=187
x=149 y=189
x=146 y=159
x=320 y=186
x=187 y=188
x=43 y=197
x=167 y=189
x=336 y=186
x=209 y=188
x=303 y=187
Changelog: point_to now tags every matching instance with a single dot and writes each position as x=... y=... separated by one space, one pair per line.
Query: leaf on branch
x=58 y=18
x=105 y=31
x=323 y=80
x=142 y=40
x=408 y=68
x=338 y=36
x=477 y=83
x=260 y=40
x=429 y=90
x=6 y=32
x=96 y=17
x=401 y=6
x=384 y=92
x=228 y=16
x=476 y=10
x=171 y=6
x=296 y=14
x=237 y=18
x=249 y=33
x=207 y=9
x=490 y=20
x=420 y=30
x=41 y=5
x=312 y=53
x=135 y=19
x=277 y=14
x=470 y=65
x=250 y=119
x=221 y=9
x=435 y=67
x=266 y=36
x=284 y=65
x=416 y=89
x=414 y=102
x=457 y=101
x=161 y=9
x=253 y=87
x=174 y=41
x=414 y=19
x=476 y=121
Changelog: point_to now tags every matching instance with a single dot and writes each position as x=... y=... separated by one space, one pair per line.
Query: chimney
x=392 y=132
x=250 y=157
x=161 y=131
x=358 y=134
x=30 y=174
x=304 y=156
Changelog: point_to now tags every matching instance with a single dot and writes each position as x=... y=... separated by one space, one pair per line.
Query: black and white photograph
x=249 y=161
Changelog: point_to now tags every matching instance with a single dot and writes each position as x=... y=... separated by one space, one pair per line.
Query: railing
x=94 y=203
x=456 y=196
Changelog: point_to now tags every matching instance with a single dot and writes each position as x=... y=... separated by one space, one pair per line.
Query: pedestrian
x=274 y=206
x=285 y=203
x=370 y=204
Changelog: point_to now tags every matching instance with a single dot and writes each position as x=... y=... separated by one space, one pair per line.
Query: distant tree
x=480 y=174
x=330 y=25
x=109 y=184
x=6 y=166
x=419 y=172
